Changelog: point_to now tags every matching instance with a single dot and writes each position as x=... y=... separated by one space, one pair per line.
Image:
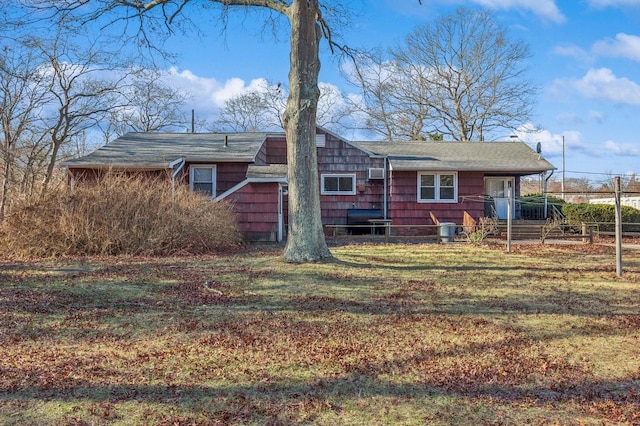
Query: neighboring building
x=624 y=201
x=403 y=182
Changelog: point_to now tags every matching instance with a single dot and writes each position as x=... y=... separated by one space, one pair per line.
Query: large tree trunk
x=305 y=239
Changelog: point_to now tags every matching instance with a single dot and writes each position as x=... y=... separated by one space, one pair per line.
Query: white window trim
x=192 y=167
x=437 y=187
x=338 y=175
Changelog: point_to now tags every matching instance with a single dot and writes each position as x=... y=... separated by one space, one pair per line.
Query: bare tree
x=244 y=113
x=628 y=183
x=78 y=97
x=148 y=105
x=52 y=93
x=306 y=18
x=259 y=109
x=262 y=108
x=460 y=77
x=334 y=109
x=23 y=91
x=392 y=98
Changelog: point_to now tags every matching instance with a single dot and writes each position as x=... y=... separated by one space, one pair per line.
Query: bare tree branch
x=460 y=78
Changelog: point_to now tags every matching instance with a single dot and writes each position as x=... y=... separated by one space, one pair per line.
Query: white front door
x=501 y=190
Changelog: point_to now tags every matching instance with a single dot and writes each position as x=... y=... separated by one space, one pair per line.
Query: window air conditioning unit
x=376 y=173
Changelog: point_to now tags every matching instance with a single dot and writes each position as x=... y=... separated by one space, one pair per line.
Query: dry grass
x=120 y=215
x=383 y=334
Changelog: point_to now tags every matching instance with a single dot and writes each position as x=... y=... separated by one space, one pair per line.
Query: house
x=625 y=200
x=405 y=183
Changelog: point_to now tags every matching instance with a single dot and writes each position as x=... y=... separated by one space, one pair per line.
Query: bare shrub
x=486 y=226
x=120 y=214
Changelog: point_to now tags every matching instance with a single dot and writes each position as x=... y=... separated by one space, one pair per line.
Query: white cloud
x=209 y=90
x=236 y=86
x=574 y=52
x=552 y=142
x=546 y=9
x=207 y=94
x=623 y=46
x=607 y=3
x=602 y=84
x=622 y=149
x=201 y=90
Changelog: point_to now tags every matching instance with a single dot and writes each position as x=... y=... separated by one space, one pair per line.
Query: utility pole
x=563 y=167
x=618 y=228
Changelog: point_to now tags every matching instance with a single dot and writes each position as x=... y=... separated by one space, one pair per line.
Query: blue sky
x=586 y=61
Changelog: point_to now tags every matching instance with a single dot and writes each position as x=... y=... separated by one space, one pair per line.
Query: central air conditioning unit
x=376 y=173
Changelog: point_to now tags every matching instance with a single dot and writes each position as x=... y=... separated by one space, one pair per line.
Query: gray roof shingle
x=157 y=150
x=512 y=157
x=268 y=172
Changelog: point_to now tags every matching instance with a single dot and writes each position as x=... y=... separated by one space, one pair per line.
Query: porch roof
x=157 y=150
x=267 y=172
x=494 y=157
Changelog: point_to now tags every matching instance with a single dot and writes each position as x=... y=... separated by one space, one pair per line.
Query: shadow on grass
x=382 y=265
x=133 y=297
x=613 y=400
x=130 y=290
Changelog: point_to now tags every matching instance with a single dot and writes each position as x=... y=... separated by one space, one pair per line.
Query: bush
x=604 y=214
x=486 y=226
x=120 y=215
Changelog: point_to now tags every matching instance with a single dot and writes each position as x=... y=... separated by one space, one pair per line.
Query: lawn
x=382 y=334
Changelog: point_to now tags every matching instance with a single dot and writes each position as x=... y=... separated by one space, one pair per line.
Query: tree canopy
x=460 y=77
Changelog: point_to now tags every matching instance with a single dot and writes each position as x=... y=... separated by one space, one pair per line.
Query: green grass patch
x=381 y=334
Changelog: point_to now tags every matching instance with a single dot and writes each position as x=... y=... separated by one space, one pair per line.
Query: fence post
x=618 y=228
x=509 y=220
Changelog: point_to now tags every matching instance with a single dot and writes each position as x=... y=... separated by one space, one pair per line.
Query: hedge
x=576 y=214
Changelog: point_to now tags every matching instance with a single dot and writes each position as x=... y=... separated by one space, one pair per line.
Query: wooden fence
x=448 y=232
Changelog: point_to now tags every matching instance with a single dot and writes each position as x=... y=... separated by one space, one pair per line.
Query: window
x=338 y=184
x=203 y=179
x=438 y=187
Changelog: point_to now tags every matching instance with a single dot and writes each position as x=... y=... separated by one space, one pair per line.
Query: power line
x=609 y=175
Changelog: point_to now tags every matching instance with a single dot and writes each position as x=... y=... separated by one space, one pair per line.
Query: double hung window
x=203 y=179
x=437 y=187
